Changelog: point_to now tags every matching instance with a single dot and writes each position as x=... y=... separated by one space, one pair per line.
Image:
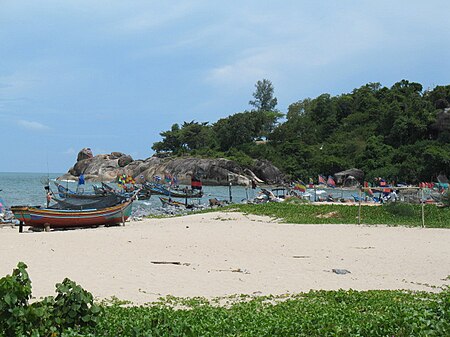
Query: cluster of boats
x=105 y=206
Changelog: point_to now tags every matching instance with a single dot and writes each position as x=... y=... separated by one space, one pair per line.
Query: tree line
x=401 y=133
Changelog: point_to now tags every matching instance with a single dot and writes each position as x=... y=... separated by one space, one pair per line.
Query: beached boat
x=46 y=217
x=170 y=202
x=155 y=188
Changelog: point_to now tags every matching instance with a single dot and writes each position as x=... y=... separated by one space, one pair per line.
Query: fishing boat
x=53 y=218
x=159 y=189
x=170 y=202
x=105 y=189
x=73 y=201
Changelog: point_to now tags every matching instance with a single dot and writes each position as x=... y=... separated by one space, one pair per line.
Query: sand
x=219 y=254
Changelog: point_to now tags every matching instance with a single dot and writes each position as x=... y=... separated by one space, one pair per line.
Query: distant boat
x=53 y=218
x=159 y=189
x=170 y=202
x=174 y=203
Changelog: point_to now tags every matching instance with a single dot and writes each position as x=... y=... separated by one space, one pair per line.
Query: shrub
x=72 y=308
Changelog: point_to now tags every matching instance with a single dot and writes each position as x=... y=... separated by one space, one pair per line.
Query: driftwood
x=176 y=263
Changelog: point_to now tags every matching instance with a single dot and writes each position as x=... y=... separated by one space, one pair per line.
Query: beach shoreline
x=224 y=253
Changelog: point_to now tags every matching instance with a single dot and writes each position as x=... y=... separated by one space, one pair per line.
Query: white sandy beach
x=228 y=253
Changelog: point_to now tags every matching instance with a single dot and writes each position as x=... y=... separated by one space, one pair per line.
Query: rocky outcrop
x=85 y=153
x=106 y=167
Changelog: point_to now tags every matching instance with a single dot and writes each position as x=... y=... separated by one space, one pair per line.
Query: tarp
x=353 y=172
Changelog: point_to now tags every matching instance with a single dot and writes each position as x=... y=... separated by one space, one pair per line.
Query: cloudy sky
x=111 y=75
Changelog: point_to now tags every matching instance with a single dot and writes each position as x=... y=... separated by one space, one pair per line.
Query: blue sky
x=111 y=75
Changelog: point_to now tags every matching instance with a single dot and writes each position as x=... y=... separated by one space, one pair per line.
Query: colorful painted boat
x=45 y=217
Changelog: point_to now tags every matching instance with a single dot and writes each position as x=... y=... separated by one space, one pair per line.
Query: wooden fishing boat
x=155 y=188
x=106 y=189
x=45 y=217
x=170 y=202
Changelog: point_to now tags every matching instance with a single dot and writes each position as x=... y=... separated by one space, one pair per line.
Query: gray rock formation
x=85 y=153
x=106 y=167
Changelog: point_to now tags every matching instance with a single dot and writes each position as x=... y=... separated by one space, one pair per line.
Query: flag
x=322 y=180
x=196 y=184
x=300 y=186
x=330 y=182
x=81 y=179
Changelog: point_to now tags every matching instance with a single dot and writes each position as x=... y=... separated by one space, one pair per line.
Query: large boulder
x=85 y=153
x=124 y=160
x=268 y=172
x=219 y=171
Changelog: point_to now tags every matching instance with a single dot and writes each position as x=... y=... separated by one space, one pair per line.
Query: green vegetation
x=317 y=313
x=72 y=308
x=400 y=133
x=392 y=214
x=299 y=211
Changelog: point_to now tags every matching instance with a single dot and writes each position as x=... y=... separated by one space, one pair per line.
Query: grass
x=393 y=214
x=389 y=214
x=317 y=313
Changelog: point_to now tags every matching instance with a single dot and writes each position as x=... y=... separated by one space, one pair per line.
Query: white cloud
x=155 y=16
x=30 y=125
x=70 y=151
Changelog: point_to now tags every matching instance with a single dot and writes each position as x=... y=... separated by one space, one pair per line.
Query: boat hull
x=159 y=189
x=37 y=217
x=169 y=202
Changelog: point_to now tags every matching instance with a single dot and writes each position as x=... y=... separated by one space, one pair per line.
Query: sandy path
x=228 y=253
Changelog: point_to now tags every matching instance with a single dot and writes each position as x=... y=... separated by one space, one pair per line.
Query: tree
x=264 y=100
x=235 y=130
x=171 y=140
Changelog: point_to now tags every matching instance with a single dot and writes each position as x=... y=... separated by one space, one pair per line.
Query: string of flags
x=125 y=179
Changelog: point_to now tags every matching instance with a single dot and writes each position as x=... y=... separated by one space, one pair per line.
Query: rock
x=85 y=153
x=218 y=171
x=116 y=155
x=266 y=171
x=125 y=160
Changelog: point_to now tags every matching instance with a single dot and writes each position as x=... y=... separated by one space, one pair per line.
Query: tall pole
x=359 y=207
x=423 y=209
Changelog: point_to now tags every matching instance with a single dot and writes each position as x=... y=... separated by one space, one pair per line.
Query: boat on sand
x=54 y=218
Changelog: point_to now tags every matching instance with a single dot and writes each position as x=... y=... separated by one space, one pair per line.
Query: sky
x=111 y=75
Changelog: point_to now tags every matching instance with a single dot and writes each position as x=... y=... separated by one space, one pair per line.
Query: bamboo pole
x=423 y=209
x=359 y=206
